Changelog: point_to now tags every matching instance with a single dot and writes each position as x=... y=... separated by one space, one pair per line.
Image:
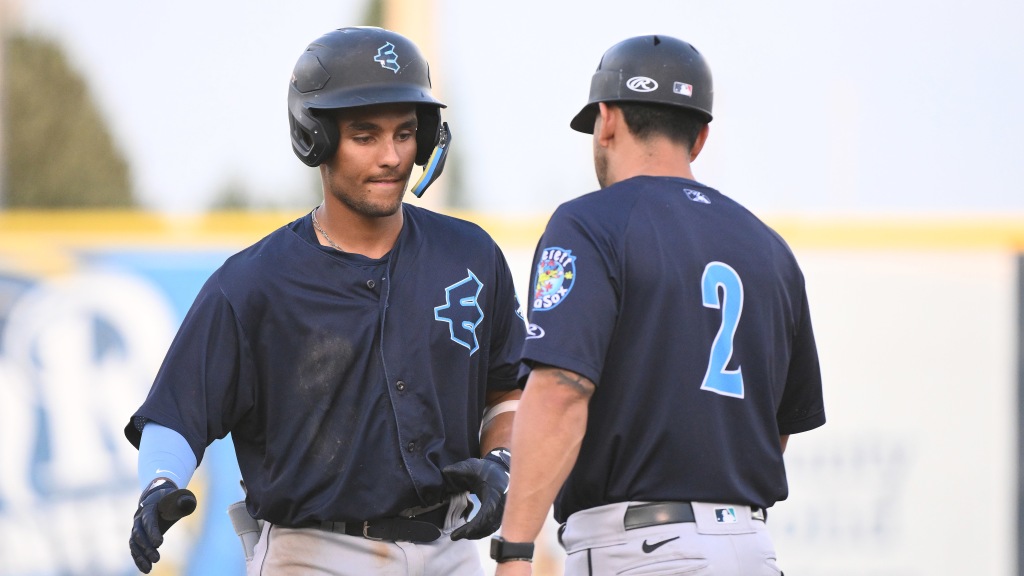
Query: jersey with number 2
x=690 y=316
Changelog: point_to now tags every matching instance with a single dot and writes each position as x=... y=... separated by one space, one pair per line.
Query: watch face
x=503 y=551
x=495 y=547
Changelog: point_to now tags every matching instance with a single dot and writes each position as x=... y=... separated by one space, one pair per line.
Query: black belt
x=425 y=527
x=657 y=513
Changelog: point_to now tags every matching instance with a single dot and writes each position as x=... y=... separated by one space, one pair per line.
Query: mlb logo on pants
x=725 y=515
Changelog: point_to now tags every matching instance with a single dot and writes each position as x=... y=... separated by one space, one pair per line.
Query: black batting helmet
x=358 y=66
x=651 y=70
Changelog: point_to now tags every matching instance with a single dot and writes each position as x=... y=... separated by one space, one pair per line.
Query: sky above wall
x=901 y=106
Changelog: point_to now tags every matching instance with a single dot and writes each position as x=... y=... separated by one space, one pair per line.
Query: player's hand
x=161 y=505
x=487 y=478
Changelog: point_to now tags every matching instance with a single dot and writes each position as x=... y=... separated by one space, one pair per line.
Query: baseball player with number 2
x=363 y=358
x=670 y=348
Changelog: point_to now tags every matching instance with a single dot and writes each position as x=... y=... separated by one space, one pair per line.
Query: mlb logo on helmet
x=683 y=88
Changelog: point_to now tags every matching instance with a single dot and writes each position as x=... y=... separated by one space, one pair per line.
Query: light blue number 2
x=718 y=379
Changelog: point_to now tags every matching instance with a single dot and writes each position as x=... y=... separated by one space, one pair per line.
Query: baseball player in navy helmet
x=363 y=358
x=669 y=352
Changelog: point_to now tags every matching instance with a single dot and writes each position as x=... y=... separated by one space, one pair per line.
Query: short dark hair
x=679 y=125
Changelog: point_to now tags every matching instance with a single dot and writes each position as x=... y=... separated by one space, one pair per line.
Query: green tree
x=373 y=13
x=58 y=152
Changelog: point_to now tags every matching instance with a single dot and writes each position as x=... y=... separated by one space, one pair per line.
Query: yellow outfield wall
x=918 y=323
x=939 y=231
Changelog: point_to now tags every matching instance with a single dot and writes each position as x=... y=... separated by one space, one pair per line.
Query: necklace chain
x=321 y=230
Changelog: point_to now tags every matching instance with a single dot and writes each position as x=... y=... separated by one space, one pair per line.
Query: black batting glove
x=161 y=505
x=487 y=478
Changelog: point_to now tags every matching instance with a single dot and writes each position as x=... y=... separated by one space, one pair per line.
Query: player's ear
x=605 y=123
x=698 y=144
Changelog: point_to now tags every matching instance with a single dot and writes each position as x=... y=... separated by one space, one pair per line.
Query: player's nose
x=389 y=153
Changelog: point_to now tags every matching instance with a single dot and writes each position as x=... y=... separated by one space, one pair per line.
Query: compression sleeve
x=164 y=453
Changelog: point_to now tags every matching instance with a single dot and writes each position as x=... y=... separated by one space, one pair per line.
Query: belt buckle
x=366 y=532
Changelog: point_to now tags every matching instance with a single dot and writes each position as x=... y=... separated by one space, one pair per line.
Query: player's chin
x=380 y=206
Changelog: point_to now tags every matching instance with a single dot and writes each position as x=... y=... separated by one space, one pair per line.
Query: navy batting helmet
x=360 y=66
x=650 y=70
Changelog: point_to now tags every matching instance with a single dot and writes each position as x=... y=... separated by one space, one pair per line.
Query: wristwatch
x=504 y=551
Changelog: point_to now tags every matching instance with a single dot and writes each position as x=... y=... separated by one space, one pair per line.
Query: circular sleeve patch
x=556 y=273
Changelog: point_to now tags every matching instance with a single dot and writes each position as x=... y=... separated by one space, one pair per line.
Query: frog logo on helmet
x=387 y=57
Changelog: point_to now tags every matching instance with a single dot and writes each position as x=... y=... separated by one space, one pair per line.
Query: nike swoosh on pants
x=648 y=548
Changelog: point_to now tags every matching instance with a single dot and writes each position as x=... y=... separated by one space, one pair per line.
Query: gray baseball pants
x=721 y=540
x=312 y=552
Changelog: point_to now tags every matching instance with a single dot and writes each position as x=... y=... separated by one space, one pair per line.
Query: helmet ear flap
x=314 y=136
x=428 y=132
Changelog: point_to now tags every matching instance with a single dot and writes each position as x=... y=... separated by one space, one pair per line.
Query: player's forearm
x=164 y=453
x=549 y=429
x=497 y=431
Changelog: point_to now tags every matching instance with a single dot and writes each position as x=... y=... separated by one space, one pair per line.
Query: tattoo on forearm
x=578 y=383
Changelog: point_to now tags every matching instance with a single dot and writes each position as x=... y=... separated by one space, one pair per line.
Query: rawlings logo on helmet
x=641 y=84
x=387 y=57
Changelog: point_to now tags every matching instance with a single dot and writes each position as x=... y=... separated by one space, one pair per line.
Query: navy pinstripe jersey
x=690 y=316
x=347 y=383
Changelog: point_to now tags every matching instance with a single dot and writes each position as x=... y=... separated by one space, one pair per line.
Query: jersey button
x=411 y=447
x=400 y=385
x=370 y=284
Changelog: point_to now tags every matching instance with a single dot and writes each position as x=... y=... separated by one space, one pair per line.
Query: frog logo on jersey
x=462 y=311
x=556 y=273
